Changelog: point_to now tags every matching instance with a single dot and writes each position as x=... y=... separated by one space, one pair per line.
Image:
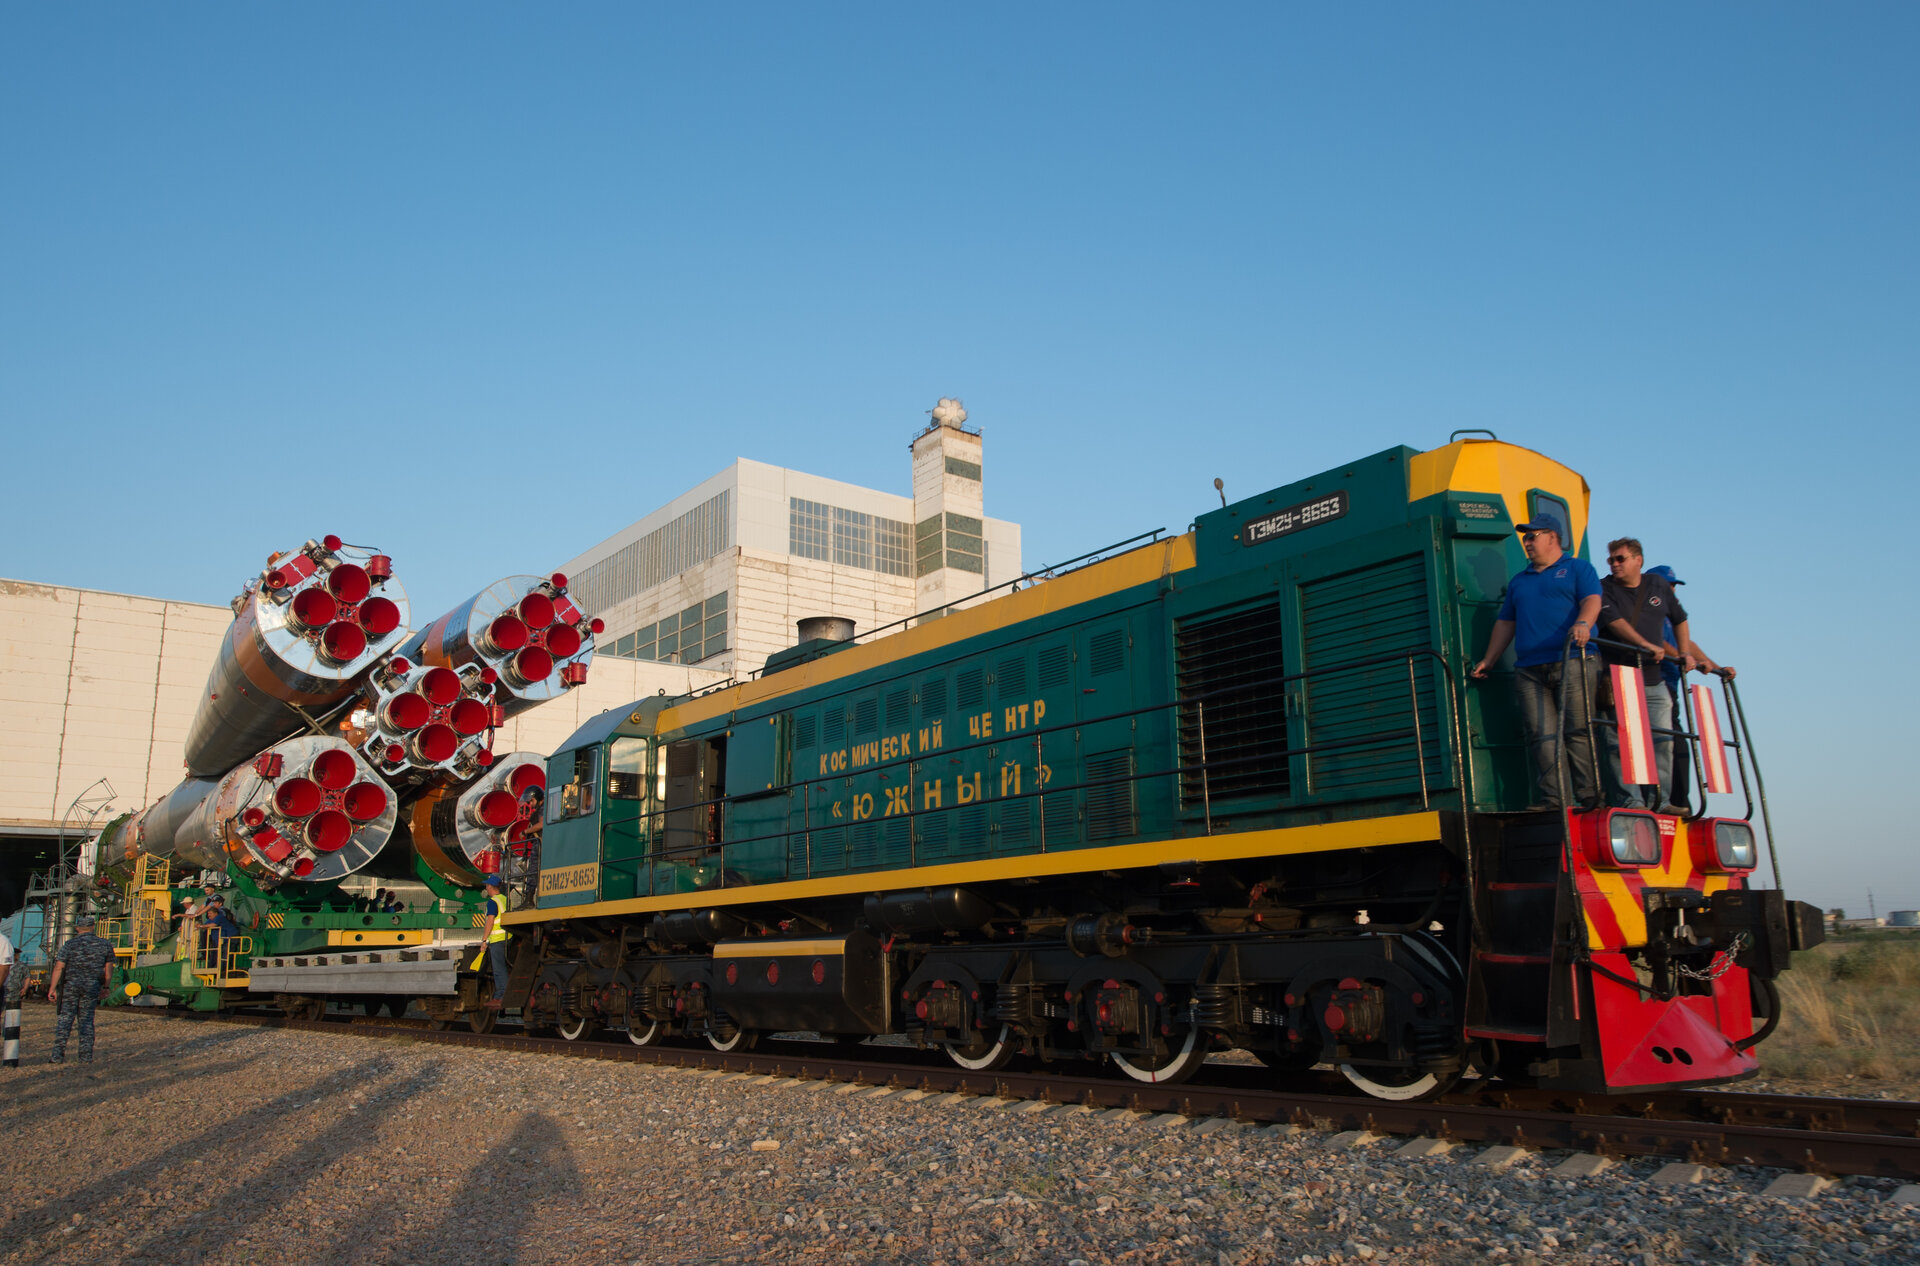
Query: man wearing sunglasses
x=1636 y=608
x=1556 y=597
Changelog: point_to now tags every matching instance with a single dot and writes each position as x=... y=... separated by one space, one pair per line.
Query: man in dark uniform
x=85 y=964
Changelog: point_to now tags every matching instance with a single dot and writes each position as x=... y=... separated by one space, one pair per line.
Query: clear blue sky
x=482 y=283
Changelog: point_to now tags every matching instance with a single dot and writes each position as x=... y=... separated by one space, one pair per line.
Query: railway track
x=1830 y=1137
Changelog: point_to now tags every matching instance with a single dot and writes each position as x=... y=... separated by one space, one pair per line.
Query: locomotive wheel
x=983 y=1056
x=481 y=1019
x=732 y=1039
x=1169 y=1067
x=573 y=1028
x=647 y=1032
x=1400 y=1084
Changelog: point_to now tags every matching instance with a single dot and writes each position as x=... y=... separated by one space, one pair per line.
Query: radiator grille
x=1231 y=660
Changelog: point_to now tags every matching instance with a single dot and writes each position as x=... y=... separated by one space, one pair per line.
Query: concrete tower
x=949 y=541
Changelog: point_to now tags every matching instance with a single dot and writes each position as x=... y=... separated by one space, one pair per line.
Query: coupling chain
x=1720 y=964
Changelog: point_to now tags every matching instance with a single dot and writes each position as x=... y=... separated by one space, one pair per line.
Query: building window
x=927 y=544
x=892 y=547
x=966 y=547
x=696 y=634
x=849 y=538
x=964 y=469
x=807 y=531
x=852 y=539
x=688 y=541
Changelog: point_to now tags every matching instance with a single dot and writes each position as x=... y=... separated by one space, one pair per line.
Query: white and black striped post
x=10 y=1039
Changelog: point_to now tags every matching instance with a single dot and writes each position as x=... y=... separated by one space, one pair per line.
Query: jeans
x=1659 y=717
x=497 y=955
x=1540 y=690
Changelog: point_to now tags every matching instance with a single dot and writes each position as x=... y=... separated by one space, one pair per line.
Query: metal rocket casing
x=525 y=629
x=417 y=721
x=310 y=624
x=307 y=809
x=153 y=829
x=467 y=833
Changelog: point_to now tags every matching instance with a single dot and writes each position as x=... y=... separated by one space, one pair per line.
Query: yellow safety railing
x=215 y=956
x=150 y=872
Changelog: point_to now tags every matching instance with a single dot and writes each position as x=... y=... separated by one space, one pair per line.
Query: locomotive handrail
x=658 y=828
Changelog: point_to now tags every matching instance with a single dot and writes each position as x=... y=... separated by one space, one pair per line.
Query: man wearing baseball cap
x=85 y=963
x=1556 y=596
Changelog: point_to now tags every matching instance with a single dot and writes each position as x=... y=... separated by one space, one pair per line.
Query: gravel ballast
x=188 y=1142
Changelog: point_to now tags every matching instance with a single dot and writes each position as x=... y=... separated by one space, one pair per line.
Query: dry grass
x=1850 y=1013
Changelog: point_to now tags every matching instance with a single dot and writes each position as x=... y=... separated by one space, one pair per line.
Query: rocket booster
x=307 y=808
x=525 y=629
x=467 y=833
x=312 y=622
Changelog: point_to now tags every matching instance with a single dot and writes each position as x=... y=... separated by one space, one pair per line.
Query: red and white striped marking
x=1713 y=752
x=1637 y=766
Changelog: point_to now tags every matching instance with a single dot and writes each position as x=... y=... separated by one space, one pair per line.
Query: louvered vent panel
x=1110 y=807
x=933 y=699
x=1368 y=713
x=897 y=707
x=834 y=722
x=1012 y=678
x=804 y=728
x=1107 y=652
x=1056 y=666
x=1229 y=660
x=866 y=718
x=970 y=833
x=971 y=686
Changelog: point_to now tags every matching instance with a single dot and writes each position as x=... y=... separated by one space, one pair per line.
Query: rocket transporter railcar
x=1228 y=789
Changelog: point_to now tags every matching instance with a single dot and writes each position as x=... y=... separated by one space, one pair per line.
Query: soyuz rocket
x=329 y=728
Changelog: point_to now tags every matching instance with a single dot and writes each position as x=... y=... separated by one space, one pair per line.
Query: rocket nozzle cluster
x=420 y=718
x=524 y=629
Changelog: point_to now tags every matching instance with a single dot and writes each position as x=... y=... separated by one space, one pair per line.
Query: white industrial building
x=720 y=575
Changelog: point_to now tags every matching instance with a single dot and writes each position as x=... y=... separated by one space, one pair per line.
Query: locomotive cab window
x=575 y=798
x=627 y=769
x=1539 y=503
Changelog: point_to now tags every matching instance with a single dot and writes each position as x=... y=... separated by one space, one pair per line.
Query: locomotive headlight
x=1722 y=844
x=1733 y=845
x=1634 y=839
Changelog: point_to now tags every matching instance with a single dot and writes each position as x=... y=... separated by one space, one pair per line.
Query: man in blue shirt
x=1557 y=595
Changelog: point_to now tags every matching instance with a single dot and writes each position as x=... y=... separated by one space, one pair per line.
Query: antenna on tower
x=948 y=412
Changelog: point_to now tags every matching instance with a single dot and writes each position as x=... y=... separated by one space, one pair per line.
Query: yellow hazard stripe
x=775 y=949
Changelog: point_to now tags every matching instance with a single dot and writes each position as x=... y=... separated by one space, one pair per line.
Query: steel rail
x=1825 y=1136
